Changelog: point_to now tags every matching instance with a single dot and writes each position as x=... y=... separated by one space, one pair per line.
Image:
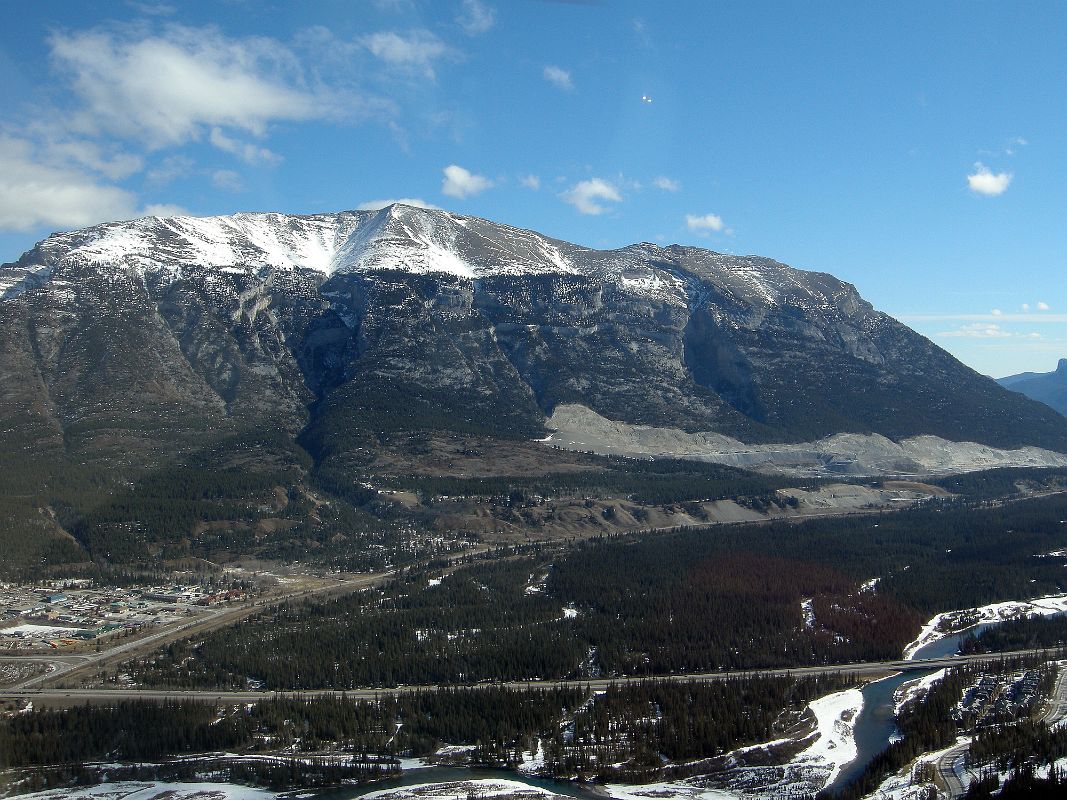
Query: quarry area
x=577 y=427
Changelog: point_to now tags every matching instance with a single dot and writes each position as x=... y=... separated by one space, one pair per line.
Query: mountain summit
x=407 y=318
x=286 y=384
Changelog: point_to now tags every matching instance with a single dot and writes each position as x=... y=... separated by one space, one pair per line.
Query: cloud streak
x=558 y=77
x=414 y=52
x=163 y=90
x=475 y=17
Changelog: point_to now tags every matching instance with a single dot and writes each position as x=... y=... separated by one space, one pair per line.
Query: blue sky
x=916 y=150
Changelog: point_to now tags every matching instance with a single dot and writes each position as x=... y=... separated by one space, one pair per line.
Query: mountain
x=296 y=359
x=1049 y=388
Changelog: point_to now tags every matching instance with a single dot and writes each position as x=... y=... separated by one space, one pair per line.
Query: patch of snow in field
x=434 y=582
x=912 y=689
x=807 y=609
x=942 y=625
x=667 y=791
x=150 y=790
x=834 y=746
x=570 y=612
x=534 y=761
x=459 y=790
x=537 y=587
x=869 y=586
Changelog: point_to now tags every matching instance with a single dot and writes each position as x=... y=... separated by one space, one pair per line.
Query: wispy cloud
x=667 y=184
x=985 y=182
x=979 y=330
x=165 y=89
x=476 y=17
x=532 y=182
x=460 y=182
x=998 y=318
x=246 y=151
x=559 y=77
x=590 y=196
x=414 y=52
x=227 y=180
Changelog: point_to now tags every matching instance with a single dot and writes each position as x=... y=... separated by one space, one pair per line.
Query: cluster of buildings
x=999 y=697
x=64 y=613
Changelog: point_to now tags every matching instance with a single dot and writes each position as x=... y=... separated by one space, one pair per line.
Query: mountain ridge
x=146 y=396
x=730 y=340
x=1049 y=388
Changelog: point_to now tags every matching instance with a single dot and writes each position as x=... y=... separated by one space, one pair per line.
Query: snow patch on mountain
x=408 y=239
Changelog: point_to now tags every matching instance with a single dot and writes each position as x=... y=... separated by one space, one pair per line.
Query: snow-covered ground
x=668 y=791
x=951 y=623
x=461 y=790
x=902 y=786
x=834 y=746
x=150 y=790
x=913 y=689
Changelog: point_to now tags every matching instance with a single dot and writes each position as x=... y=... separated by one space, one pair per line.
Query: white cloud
x=33 y=193
x=991 y=317
x=996 y=312
x=1041 y=306
x=377 y=205
x=227 y=180
x=476 y=17
x=459 y=182
x=413 y=52
x=704 y=224
x=588 y=196
x=114 y=165
x=983 y=181
x=979 y=330
x=559 y=77
x=153 y=9
x=1026 y=307
x=164 y=89
x=1014 y=143
x=530 y=182
x=667 y=184
x=246 y=151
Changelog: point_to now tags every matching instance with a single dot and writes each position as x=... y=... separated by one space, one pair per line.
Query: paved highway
x=867 y=669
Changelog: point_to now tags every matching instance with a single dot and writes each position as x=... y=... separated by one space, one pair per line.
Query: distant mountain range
x=1049 y=388
x=286 y=346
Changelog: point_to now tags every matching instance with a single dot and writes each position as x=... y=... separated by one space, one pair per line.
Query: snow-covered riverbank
x=952 y=623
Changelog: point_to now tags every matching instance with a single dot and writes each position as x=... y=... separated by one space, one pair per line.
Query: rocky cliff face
x=156 y=376
x=173 y=328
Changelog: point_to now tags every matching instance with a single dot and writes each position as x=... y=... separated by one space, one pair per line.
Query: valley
x=301 y=501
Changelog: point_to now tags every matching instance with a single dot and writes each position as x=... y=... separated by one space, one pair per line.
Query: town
x=65 y=613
